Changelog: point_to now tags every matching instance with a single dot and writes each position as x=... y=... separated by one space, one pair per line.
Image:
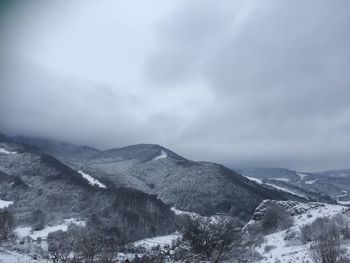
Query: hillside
x=38 y=182
x=202 y=187
x=289 y=245
x=328 y=187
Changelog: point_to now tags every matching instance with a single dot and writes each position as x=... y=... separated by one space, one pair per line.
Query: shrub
x=320 y=227
x=6 y=224
x=326 y=249
x=276 y=217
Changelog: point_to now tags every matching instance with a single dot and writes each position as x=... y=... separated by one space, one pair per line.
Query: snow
x=182 y=212
x=302 y=176
x=161 y=241
x=254 y=179
x=344 y=202
x=284 y=190
x=310 y=182
x=92 y=180
x=274 y=186
x=4 y=151
x=4 y=204
x=7 y=256
x=280 y=179
x=27 y=231
x=294 y=250
x=162 y=155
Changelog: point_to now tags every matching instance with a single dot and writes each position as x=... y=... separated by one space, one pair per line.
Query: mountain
x=327 y=186
x=202 y=187
x=39 y=184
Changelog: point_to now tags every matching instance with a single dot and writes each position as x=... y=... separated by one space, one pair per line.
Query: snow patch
x=182 y=212
x=254 y=179
x=302 y=176
x=310 y=182
x=162 y=241
x=7 y=256
x=274 y=186
x=4 y=204
x=4 y=151
x=92 y=180
x=280 y=179
x=27 y=231
x=162 y=155
x=284 y=190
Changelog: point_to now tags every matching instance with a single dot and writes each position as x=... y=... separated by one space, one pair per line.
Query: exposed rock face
x=293 y=207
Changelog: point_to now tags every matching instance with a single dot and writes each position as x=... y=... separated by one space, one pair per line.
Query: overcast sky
x=244 y=83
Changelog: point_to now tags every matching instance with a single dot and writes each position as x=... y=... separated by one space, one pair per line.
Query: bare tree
x=60 y=245
x=6 y=224
x=326 y=249
x=209 y=238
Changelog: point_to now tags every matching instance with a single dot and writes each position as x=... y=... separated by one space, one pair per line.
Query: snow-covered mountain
x=202 y=187
x=40 y=189
x=329 y=186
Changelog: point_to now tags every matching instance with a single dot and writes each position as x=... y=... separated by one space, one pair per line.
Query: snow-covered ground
x=274 y=186
x=302 y=176
x=4 y=151
x=310 y=182
x=4 y=204
x=7 y=256
x=27 y=231
x=182 y=212
x=282 y=179
x=276 y=249
x=255 y=180
x=163 y=155
x=92 y=180
x=161 y=241
x=284 y=190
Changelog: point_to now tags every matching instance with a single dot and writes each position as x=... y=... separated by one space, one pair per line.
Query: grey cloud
x=245 y=83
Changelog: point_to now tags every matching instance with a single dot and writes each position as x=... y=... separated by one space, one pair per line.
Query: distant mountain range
x=131 y=189
x=202 y=187
x=317 y=185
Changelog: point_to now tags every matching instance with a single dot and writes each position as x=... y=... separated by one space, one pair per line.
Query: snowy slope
x=162 y=241
x=163 y=155
x=277 y=247
x=4 y=204
x=26 y=231
x=4 y=151
x=92 y=180
x=283 y=189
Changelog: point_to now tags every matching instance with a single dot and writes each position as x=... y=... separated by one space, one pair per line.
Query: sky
x=245 y=83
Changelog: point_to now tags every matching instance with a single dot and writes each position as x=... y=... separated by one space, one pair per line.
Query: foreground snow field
x=277 y=247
